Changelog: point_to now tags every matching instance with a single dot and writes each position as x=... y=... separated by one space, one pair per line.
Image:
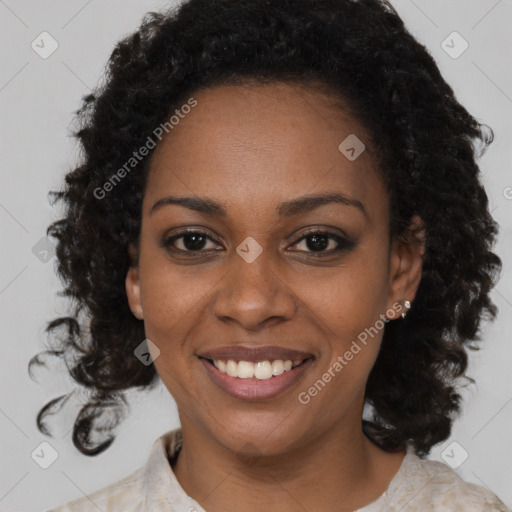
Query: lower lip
x=255 y=389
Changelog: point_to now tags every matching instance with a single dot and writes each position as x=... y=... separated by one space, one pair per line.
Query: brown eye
x=190 y=241
x=319 y=241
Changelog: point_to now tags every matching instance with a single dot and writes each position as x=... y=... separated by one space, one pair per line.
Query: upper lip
x=253 y=354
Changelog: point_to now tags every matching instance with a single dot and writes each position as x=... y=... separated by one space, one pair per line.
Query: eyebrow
x=285 y=209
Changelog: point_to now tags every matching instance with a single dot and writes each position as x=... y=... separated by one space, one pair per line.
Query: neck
x=339 y=469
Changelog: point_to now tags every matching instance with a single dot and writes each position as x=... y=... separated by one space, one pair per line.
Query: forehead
x=257 y=145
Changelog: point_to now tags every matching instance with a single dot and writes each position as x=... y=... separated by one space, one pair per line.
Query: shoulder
x=450 y=492
x=144 y=489
x=125 y=494
x=432 y=485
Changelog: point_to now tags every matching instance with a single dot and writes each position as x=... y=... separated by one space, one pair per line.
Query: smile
x=261 y=370
x=253 y=381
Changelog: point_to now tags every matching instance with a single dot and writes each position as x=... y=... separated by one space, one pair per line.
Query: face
x=252 y=271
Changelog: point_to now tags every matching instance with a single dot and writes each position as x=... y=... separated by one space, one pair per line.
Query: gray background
x=37 y=100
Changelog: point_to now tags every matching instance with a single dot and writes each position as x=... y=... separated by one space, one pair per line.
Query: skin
x=250 y=147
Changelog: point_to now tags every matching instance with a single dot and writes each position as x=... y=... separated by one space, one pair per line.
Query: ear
x=132 y=283
x=406 y=264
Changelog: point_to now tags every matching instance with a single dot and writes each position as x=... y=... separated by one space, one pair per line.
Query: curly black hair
x=426 y=143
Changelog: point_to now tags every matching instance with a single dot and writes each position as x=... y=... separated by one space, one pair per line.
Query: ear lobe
x=406 y=264
x=132 y=283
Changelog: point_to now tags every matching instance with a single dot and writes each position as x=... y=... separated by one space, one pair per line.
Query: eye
x=315 y=242
x=318 y=241
x=189 y=241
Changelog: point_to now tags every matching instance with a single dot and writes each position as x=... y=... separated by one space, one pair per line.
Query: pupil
x=317 y=245
x=197 y=241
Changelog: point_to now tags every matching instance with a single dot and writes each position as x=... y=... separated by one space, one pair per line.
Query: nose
x=253 y=294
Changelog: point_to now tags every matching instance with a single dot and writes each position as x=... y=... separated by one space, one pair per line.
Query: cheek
x=351 y=305
x=171 y=306
x=350 y=352
x=353 y=296
x=169 y=292
x=172 y=297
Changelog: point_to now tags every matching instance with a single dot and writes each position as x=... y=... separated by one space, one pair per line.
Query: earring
x=407 y=306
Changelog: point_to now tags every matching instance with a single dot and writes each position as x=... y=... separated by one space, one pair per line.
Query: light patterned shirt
x=418 y=486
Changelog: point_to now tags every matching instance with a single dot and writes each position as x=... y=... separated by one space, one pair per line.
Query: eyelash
x=343 y=243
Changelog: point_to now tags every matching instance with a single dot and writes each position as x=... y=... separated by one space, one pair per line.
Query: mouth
x=255 y=374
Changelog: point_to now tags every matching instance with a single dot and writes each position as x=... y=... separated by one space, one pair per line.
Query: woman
x=279 y=215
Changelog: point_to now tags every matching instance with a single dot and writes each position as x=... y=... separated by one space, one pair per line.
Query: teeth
x=261 y=370
x=277 y=367
x=245 y=370
x=231 y=368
